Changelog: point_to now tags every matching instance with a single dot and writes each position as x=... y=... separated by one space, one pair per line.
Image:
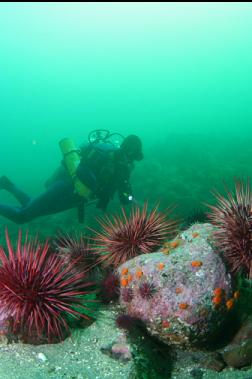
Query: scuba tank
x=72 y=160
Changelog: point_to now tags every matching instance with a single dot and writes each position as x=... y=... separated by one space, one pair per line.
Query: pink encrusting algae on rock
x=182 y=293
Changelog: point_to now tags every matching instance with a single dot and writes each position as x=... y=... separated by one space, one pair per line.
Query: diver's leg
x=57 y=198
x=7 y=185
x=12 y=213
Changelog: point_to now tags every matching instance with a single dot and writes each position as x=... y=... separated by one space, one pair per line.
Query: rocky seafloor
x=82 y=356
x=78 y=357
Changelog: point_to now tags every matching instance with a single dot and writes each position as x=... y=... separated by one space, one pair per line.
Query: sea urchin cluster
x=233 y=218
x=124 y=237
x=37 y=290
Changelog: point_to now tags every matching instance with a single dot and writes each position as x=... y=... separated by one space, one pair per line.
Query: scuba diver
x=94 y=172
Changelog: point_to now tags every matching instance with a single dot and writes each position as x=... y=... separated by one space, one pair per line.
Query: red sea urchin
x=74 y=247
x=233 y=219
x=37 y=290
x=123 y=238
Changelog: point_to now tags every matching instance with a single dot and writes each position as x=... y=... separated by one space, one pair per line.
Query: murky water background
x=177 y=75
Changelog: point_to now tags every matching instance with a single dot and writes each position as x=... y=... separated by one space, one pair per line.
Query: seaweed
x=152 y=359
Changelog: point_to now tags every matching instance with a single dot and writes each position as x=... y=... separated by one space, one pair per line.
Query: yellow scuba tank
x=72 y=160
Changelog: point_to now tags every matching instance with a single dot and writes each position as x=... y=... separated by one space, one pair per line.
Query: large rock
x=182 y=293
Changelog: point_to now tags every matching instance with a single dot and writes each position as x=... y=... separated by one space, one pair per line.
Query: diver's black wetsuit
x=60 y=194
x=58 y=197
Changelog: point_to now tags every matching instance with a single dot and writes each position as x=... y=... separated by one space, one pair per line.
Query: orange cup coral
x=230 y=304
x=130 y=278
x=165 y=324
x=236 y=295
x=196 y=263
x=124 y=282
x=183 y=305
x=217 y=300
x=174 y=244
x=195 y=234
x=218 y=291
x=178 y=290
x=124 y=271
x=139 y=274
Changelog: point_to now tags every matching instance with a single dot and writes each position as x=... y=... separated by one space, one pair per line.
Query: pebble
x=239 y=356
x=42 y=357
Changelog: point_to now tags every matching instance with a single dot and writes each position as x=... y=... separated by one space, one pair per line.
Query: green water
x=177 y=75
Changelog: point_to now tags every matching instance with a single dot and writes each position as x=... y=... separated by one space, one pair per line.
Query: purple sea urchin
x=110 y=288
x=123 y=238
x=127 y=295
x=147 y=290
x=233 y=219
